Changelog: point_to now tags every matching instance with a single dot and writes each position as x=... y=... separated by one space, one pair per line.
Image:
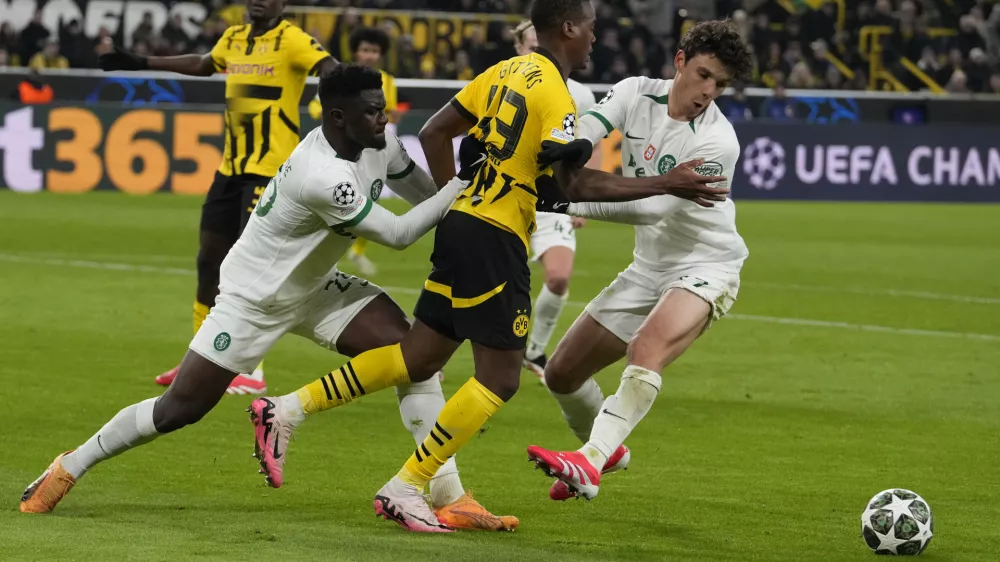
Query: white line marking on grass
x=896 y=293
x=874 y=292
x=414 y=291
x=863 y=327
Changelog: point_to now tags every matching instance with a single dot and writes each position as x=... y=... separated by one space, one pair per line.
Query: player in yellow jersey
x=521 y=112
x=266 y=63
x=368 y=45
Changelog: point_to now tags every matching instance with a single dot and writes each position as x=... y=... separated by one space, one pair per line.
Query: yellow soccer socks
x=459 y=420
x=200 y=313
x=372 y=370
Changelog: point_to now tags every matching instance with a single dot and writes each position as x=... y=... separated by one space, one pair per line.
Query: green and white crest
x=666 y=163
x=377 y=186
x=222 y=341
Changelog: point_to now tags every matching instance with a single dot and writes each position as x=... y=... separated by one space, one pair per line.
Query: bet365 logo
x=19 y=139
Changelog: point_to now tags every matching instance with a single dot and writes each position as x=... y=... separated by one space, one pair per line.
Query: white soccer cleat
x=405 y=505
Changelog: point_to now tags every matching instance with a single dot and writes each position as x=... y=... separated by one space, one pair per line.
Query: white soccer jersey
x=653 y=143
x=582 y=95
x=296 y=233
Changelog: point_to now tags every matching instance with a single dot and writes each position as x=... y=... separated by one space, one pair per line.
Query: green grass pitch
x=862 y=354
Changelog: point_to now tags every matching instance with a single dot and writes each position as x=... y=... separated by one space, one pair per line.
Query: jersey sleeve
x=471 y=101
x=720 y=151
x=337 y=198
x=556 y=110
x=612 y=111
x=221 y=48
x=305 y=50
x=400 y=164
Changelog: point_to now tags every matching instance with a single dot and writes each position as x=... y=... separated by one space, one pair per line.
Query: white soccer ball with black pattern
x=344 y=194
x=569 y=124
x=764 y=163
x=897 y=521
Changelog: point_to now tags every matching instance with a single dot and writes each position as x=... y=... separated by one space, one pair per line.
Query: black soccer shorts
x=480 y=286
x=230 y=202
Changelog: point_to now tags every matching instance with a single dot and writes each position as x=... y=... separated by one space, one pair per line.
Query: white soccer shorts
x=624 y=305
x=237 y=335
x=554 y=229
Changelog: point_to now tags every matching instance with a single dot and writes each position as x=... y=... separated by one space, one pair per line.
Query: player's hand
x=122 y=60
x=471 y=156
x=551 y=198
x=578 y=222
x=576 y=153
x=684 y=182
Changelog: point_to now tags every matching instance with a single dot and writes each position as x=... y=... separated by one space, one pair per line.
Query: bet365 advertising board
x=75 y=149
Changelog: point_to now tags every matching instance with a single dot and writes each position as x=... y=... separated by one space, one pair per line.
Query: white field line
x=895 y=293
x=413 y=291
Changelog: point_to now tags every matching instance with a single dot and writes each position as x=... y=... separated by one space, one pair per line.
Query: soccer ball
x=897 y=521
x=764 y=163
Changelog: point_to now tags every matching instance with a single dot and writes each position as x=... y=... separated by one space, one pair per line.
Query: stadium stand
x=902 y=45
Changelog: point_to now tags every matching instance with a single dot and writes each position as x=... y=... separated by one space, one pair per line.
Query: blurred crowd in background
x=920 y=44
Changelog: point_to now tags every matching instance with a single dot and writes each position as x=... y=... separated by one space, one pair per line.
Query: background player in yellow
x=479 y=288
x=266 y=63
x=368 y=46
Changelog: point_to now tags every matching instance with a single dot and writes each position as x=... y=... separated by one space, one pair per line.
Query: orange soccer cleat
x=42 y=495
x=466 y=513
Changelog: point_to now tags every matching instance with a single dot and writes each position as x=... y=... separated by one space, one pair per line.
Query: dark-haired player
x=368 y=45
x=266 y=64
x=479 y=288
x=686 y=271
x=280 y=277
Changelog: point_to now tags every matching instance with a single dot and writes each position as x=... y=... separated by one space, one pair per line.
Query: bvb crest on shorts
x=521 y=324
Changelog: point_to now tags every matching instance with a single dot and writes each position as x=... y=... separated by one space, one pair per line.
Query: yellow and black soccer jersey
x=518 y=103
x=265 y=76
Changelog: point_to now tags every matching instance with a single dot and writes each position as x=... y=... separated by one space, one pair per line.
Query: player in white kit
x=687 y=258
x=281 y=277
x=553 y=243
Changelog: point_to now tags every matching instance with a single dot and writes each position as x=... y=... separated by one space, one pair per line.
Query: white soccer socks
x=621 y=413
x=545 y=316
x=580 y=407
x=419 y=406
x=131 y=427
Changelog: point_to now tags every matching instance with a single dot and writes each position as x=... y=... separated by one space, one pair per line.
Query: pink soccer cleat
x=617 y=461
x=571 y=467
x=405 y=505
x=271 y=435
x=168 y=377
x=241 y=384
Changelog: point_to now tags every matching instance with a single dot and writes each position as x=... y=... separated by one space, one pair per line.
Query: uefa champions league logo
x=764 y=163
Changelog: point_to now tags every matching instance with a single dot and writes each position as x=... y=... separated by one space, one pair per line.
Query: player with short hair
x=553 y=243
x=686 y=272
x=281 y=277
x=266 y=63
x=368 y=46
x=479 y=286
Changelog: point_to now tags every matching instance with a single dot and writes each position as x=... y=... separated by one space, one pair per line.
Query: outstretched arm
x=191 y=65
x=382 y=226
x=643 y=211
